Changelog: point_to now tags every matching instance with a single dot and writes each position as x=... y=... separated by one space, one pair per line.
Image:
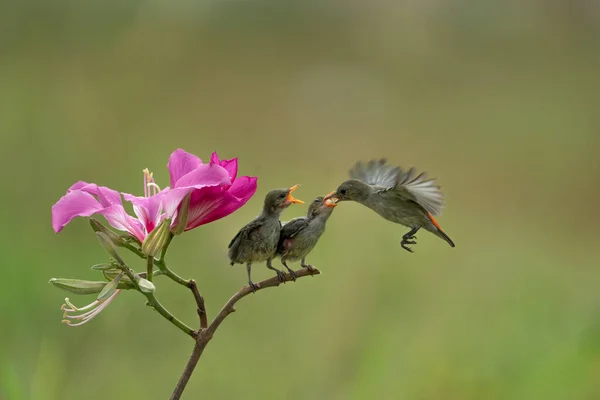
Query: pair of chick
x=265 y=237
x=402 y=197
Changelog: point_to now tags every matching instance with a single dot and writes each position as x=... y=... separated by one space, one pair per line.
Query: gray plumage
x=300 y=235
x=399 y=196
x=257 y=241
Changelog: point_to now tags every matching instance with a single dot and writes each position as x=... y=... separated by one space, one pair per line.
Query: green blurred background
x=497 y=99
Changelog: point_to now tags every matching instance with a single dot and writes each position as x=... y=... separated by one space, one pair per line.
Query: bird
x=257 y=240
x=400 y=196
x=300 y=235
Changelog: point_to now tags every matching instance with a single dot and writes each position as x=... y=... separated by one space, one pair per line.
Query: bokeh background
x=497 y=99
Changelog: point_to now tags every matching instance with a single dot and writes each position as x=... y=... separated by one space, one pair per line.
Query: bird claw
x=309 y=267
x=253 y=286
x=292 y=275
x=407 y=248
x=280 y=276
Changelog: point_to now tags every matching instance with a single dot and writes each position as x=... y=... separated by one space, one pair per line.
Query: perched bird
x=399 y=196
x=300 y=235
x=257 y=241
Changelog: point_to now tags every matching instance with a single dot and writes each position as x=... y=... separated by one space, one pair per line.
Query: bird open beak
x=330 y=200
x=291 y=199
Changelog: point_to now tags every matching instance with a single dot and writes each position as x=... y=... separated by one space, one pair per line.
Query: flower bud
x=79 y=286
x=113 y=273
x=145 y=285
x=97 y=226
x=182 y=215
x=103 y=267
x=157 y=239
x=109 y=247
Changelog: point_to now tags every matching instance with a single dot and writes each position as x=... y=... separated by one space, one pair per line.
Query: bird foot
x=404 y=243
x=309 y=267
x=292 y=274
x=280 y=276
x=253 y=286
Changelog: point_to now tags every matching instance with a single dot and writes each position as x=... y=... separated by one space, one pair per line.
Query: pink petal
x=119 y=219
x=205 y=175
x=244 y=187
x=74 y=204
x=106 y=197
x=172 y=199
x=230 y=165
x=181 y=163
x=148 y=209
x=208 y=205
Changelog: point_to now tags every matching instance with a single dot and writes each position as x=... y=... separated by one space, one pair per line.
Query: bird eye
x=282 y=196
x=343 y=191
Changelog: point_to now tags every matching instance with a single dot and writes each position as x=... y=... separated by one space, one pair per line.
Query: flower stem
x=154 y=303
x=149 y=268
x=168 y=272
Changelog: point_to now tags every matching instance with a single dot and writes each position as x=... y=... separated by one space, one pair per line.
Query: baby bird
x=257 y=241
x=300 y=235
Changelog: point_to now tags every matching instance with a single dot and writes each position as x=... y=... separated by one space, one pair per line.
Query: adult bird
x=257 y=241
x=300 y=235
x=397 y=195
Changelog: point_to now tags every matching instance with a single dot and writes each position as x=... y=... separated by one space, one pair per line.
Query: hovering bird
x=257 y=241
x=399 y=196
x=300 y=235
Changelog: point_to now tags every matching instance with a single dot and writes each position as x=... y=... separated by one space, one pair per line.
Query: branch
x=228 y=308
x=200 y=303
x=204 y=335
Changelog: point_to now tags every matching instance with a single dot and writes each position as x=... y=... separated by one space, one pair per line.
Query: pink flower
x=209 y=203
x=215 y=193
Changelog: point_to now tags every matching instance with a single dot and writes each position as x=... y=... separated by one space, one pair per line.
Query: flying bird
x=400 y=196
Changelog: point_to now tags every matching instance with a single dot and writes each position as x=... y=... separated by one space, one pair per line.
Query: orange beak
x=330 y=201
x=291 y=199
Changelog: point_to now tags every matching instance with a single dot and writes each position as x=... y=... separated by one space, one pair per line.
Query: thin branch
x=189 y=369
x=154 y=303
x=228 y=308
x=200 y=303
x=204 y=335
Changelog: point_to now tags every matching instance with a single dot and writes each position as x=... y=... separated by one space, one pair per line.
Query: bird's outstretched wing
x=375 y=173
x=421 y=190
x=407 y=184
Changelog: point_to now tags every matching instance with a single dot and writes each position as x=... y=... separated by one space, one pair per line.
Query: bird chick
x=257 y=241
x=300 y=235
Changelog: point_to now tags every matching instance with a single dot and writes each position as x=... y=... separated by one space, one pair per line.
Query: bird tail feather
x=439 y=232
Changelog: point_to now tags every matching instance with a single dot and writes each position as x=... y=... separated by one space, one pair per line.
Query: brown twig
x=200 y=304
x=205 y=334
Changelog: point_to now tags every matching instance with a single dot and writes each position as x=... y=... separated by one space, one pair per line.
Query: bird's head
x=279 y=199
x=349 y=190
x=320 y=206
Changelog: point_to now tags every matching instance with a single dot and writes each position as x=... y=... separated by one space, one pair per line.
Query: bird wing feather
x=245 y=232
x=421 y=190
x=406 y=184
x=289 y=230
x=375 y=173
